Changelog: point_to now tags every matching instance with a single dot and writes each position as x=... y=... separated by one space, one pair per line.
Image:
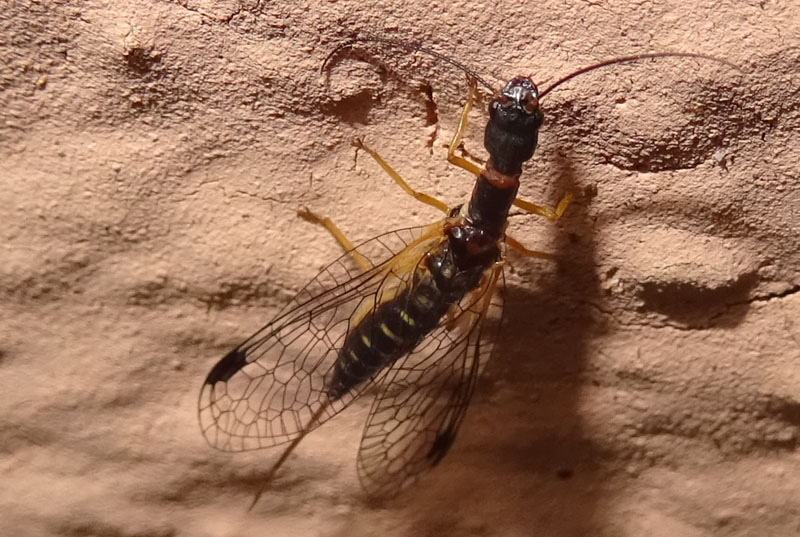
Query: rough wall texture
x=152 y=159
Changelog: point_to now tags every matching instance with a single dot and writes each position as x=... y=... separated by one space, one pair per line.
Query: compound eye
x=532 y=105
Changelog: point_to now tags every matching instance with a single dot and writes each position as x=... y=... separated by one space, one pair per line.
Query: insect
x=412 y=313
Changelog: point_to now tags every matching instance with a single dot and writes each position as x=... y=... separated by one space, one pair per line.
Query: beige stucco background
x=153 y=155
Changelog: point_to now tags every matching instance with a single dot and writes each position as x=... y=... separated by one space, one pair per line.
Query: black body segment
x=506 y=146
x=513 y=128
x=395 y=328
x=423 y=400
x=510 y=138
x=489 y=205
x=390 y=331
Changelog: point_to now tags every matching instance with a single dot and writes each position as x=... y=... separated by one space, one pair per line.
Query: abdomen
x=392 y=330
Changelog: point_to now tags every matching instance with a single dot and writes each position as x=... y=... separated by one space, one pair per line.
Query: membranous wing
x=265 y=391
x=424 y=396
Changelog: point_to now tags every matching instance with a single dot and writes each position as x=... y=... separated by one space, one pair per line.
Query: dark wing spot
x=441 y=445
x=227 y=367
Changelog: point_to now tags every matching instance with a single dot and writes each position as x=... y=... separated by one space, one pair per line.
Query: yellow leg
x=516 y=245
x=424 y=198
x=462 y=126
x=550 y=214
x=326 y=222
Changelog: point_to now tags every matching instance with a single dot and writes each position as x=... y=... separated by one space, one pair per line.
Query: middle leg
x=420 y=196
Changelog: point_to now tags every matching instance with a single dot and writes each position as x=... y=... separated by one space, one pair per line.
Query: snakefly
x=410 y=315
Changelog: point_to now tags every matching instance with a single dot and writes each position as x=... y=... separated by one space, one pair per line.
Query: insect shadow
x=525 y=433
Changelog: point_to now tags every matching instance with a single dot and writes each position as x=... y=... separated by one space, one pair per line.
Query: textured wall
x=152 y=159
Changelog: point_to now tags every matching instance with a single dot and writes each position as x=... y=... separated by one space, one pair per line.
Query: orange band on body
x=499 y=180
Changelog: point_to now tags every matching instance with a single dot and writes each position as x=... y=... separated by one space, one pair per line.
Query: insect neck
x=510 y=138
x=492 y=196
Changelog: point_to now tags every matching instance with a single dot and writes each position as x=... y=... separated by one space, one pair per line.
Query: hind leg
x=326 y=222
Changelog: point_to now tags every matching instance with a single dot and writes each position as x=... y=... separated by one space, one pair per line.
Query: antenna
x=635 y=58
x=410 y=47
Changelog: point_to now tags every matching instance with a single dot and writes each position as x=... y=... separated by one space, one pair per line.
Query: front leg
x=462 y=126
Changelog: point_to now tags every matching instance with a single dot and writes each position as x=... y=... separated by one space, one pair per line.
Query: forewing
x=264 y=392
x=424 y=397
